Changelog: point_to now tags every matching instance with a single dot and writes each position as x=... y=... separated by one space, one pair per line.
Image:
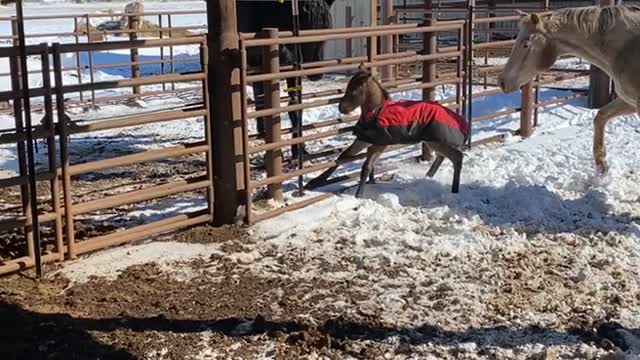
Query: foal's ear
x=361 y=67
x=535 y=19
x=533 y=23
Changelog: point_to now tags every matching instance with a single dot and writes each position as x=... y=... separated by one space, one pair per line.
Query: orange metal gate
x=56 y=129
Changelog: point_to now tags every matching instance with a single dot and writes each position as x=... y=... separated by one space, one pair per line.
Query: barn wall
x=361 y=17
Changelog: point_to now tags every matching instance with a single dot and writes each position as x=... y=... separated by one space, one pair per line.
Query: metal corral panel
x=361 y=15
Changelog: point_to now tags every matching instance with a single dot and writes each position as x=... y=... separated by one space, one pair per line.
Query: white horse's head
x=532 y=52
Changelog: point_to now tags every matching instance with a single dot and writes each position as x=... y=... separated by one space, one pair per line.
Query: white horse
x=135 y=7
x=608 y=37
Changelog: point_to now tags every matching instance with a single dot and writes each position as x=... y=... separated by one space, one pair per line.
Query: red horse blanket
x=409 y=122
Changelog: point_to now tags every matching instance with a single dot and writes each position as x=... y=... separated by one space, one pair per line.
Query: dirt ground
x=146 y=313
x=223 y=311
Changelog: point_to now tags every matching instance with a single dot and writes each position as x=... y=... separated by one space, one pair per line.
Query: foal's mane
x=367 y=74
x=385 y=93
x=594 y=19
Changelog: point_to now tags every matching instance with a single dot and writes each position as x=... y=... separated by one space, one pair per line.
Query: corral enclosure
x=103 y=83
x=127 y=146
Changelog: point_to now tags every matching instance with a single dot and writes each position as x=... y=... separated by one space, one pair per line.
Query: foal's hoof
x=602 y=169
x=312 y=185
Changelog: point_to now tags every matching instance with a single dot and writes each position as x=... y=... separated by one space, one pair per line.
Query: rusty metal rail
x=84 y=37
x=57 y=129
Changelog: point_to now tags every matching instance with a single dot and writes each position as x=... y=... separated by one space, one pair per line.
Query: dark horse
x=255 y=15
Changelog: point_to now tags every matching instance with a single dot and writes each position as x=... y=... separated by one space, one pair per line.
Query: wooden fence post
x=273 y=158
x=134 y=24
x=492 y=14
x=15 y=65
x=387 y=41
x=348 y=23
x=599 y=81
x=469 y=32
x=225 y=95
x=526 y=111
x=429 y=47
x=90 y=53
x=372 y=41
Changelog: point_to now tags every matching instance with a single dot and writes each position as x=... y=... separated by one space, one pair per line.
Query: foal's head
x=532 y=52
x=363 y=90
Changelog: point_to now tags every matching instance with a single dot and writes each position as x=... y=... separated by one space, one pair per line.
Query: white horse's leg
x=615 y=108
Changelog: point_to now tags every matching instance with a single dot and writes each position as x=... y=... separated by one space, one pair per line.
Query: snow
x=110 y=263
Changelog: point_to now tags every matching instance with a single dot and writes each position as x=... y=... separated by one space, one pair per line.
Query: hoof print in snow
x=386 y=177
x=87 y=108
x=136 y=103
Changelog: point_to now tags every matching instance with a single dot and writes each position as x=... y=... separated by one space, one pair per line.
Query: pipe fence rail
x=84 y=64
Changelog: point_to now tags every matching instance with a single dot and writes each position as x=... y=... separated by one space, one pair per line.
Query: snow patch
x=110 y=263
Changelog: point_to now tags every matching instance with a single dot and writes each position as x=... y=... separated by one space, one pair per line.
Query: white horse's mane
x=594 y=19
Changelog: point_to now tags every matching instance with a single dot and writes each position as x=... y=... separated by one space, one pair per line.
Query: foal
x=385 y=123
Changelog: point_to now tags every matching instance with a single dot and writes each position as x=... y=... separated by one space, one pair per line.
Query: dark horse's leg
x=353 y=150
x=258 y=95
x=295 y=117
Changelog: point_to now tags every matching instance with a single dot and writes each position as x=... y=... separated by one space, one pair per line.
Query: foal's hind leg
x=455 y=156
x=615 y=108
x=354 y=149
x=435 y=166
x=373 y=154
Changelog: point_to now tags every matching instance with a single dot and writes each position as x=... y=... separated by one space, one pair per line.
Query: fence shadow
x=35 y=335
x=30 y=335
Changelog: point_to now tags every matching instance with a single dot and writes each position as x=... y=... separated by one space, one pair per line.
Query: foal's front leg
x=373 y=154
x=435 y=166
x=354 y=149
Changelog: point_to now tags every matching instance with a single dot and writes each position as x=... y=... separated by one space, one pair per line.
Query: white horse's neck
x=569 y=40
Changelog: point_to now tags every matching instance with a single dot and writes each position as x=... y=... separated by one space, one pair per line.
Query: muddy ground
x=221 y=310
